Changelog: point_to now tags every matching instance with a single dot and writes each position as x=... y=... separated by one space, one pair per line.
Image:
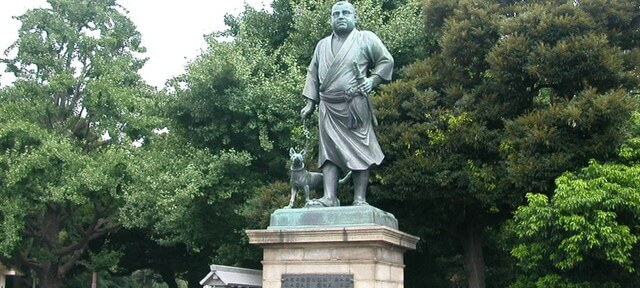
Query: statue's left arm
x=380 y=62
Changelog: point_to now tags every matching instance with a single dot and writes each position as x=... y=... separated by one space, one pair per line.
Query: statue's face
x=343 y=18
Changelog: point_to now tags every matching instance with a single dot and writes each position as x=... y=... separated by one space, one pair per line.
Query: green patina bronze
x=303 y=218
x=345 y=67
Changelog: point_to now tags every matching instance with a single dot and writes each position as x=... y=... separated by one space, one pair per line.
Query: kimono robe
x=329 y=76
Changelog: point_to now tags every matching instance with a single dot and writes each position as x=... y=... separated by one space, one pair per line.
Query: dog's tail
x=345 y=178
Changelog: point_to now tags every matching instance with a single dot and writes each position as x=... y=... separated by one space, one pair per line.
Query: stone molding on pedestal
x=371 y=234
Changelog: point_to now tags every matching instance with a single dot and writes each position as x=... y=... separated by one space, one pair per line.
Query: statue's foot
x=322 y=202
x=360 y=203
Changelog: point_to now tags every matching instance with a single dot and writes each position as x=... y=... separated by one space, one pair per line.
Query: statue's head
x=343 y=18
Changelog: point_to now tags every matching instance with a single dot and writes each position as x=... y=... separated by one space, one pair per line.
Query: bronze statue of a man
x=336 y=83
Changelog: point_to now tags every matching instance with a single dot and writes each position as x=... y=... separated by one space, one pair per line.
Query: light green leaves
x=592 y=218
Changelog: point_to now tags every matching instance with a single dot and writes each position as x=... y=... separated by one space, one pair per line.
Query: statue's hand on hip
x=366 y=85
x=369 y=83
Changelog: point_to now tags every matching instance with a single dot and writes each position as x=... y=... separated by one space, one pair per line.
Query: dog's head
x=297 y=158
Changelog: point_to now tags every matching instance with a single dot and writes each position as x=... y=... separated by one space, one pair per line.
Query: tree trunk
x=473 y=258
x=47 y=270
x=49 y=278
x=193 y=276
x=169 y=278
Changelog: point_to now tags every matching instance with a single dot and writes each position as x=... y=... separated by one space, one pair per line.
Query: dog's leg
x=294 y=191
x=306 y=193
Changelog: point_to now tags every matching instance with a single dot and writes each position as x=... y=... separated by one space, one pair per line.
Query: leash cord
x=306 y=133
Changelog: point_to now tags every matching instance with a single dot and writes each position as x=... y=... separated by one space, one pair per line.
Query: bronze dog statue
x=303 y=179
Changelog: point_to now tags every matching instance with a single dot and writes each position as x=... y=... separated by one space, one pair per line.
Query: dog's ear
x=303 y=152
x=291 y=151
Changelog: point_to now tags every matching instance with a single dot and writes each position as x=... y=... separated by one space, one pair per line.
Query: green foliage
x=69 y=123
x=588 y=231
x=163 y=191
x=236 y=102
x=47 y=172
x=545 y=143
x=555 y=281
x=630 y=150
x=513 y=94
x=267 y=199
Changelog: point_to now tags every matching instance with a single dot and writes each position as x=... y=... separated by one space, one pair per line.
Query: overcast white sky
x=172 y=31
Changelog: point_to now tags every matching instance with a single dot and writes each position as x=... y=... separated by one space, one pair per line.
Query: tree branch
x=33 y=264
x=96 y=229
x=72 y=261
x=76 y=90
x=79 y=245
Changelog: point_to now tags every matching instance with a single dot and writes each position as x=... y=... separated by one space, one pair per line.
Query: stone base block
x=373 y=255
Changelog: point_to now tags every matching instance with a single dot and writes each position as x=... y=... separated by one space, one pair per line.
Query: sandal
x=322 y=202
x=360 y=203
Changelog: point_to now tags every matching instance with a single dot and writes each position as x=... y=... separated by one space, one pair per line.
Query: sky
x=172 y=31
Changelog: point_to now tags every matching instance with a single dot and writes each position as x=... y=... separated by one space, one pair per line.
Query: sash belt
x=354 y=119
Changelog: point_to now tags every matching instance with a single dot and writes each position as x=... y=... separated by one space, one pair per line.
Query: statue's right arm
x=308 y=109
x=311 y=87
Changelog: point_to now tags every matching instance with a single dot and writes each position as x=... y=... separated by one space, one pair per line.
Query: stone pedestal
x=369 y=252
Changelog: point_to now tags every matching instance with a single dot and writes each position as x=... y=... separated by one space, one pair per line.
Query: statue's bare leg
x=360 y=181
x=330 y=174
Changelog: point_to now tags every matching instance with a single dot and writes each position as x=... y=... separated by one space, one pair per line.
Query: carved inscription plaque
x=317 y=281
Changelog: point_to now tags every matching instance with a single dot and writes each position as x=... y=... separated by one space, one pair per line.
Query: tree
x=513 y=94
x=139 y=251
x=67 y=128
x=586 y=234
x=181 y=200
